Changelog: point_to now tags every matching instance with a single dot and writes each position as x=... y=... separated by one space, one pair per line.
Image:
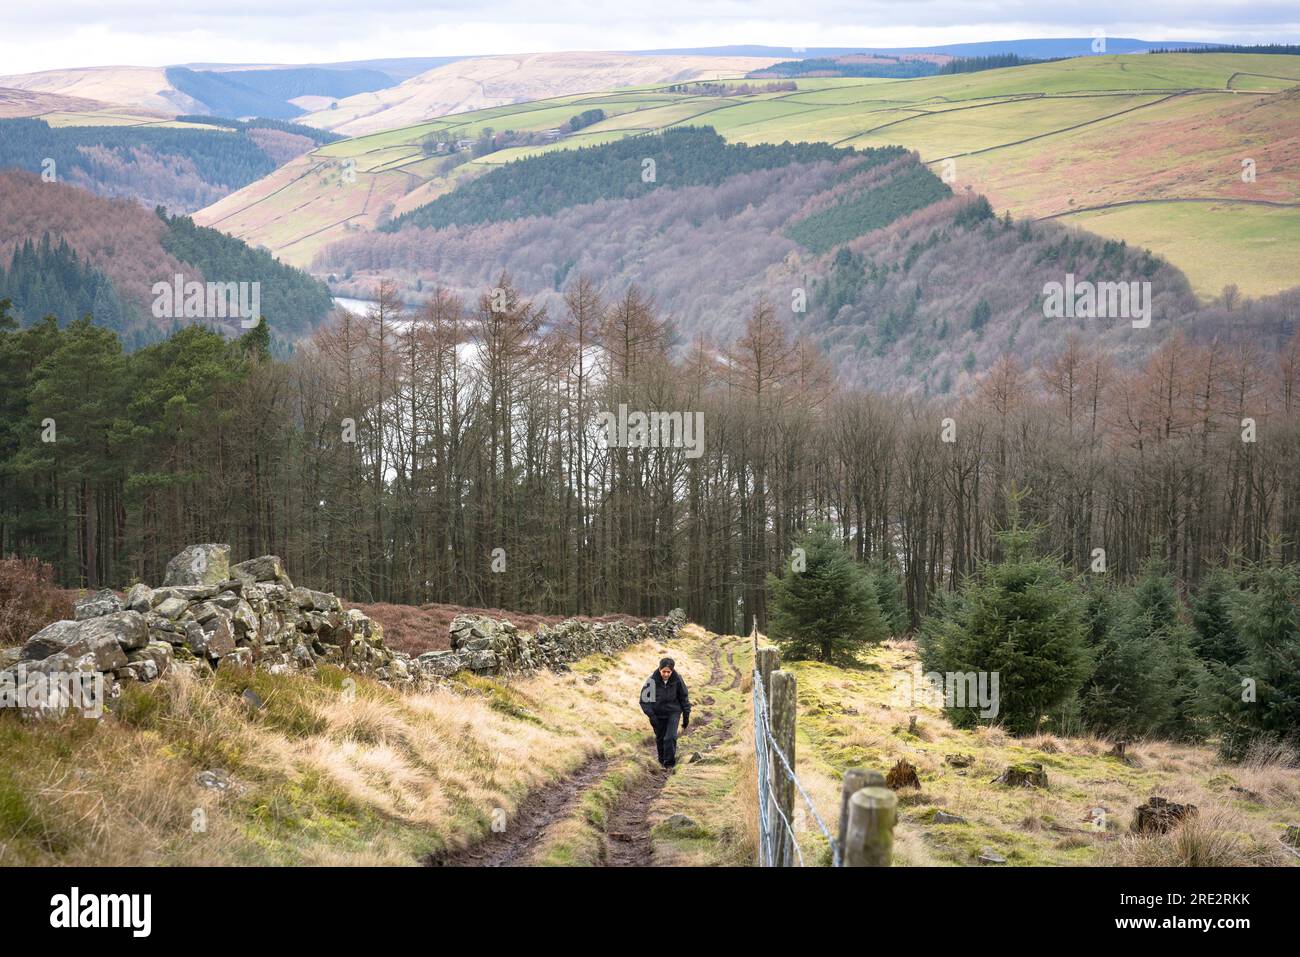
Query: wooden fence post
x=869 y=837
x=767 y=660
x=855 y=779
x=782 y=705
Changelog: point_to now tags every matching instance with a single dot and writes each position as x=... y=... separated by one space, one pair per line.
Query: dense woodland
x=48 y=278
x=585 y=118
x=319 y=137
x=228 y=97
x=104 y=256
x=871 y=208
x=297 y=300
x=395 y=454
x=864 y=64
x=266 y=92
x=278 y=139
x=474 y=430
x=996 y=61
x=1281 y=49
x=184 y=169
x=545 y=184
x=908 y=286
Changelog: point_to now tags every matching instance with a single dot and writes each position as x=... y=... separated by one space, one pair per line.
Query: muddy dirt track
x=627 y=838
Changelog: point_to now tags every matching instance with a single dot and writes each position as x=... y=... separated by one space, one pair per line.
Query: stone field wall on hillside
x=210 y=614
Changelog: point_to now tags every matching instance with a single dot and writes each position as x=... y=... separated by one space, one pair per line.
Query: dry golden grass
x=1217 y=836
x=332 y=769
x=319 y=775
x=704 y=790
x=843 y=725
x=338 y=772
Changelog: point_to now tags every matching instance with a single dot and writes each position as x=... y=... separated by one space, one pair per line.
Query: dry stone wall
x=210 y=614
x=493 y=645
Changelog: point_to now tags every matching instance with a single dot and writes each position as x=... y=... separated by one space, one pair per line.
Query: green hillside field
x=1119 y=143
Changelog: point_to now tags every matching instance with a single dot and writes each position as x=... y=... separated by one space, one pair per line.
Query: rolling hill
x=1036 y=47
x=17 y=103
x=484 y=82
x=183 y=164
x=902 y=282
x=136 y=87
x=1108 y=142
x=232 y=90
x=66 y=251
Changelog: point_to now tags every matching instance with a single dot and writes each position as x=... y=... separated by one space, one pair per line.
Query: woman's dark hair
x=667 y=663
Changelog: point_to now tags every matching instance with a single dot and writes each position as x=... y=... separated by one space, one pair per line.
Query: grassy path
x=619 y=809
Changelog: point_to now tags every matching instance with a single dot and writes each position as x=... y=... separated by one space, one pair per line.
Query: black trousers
x=666 y=737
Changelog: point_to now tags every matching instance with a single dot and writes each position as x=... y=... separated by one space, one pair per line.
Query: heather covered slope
x=222 y=90
x=137 y=87
x=19 y=103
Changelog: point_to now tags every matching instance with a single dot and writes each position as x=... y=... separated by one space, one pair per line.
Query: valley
x=931 y=411
x=1045 y=140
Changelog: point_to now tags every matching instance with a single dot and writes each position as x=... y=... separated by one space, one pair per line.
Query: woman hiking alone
x=664 y=700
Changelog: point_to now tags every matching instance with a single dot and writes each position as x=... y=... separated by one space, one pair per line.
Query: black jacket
x=660 y=698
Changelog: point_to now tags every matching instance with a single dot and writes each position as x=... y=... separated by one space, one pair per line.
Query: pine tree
x=1212 y=615
x=1101 y=609
x=828 y=609
x=1120 y=697
x=1147 y=678
x=1260 y=696
x=79 y=388
x=256 y=342
x=888 y=588
x=1022 y=618
x=1160 y=608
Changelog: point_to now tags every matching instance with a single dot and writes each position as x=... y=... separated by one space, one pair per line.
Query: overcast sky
x=41 y=34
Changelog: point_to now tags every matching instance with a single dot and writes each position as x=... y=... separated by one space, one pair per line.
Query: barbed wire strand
x=766 y=794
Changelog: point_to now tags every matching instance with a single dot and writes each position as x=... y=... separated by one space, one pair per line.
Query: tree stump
x=1027 y=774
x=1159 y=816
x=902 y=775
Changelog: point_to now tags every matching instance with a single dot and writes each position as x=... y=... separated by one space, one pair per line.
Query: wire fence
x=778 y=842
